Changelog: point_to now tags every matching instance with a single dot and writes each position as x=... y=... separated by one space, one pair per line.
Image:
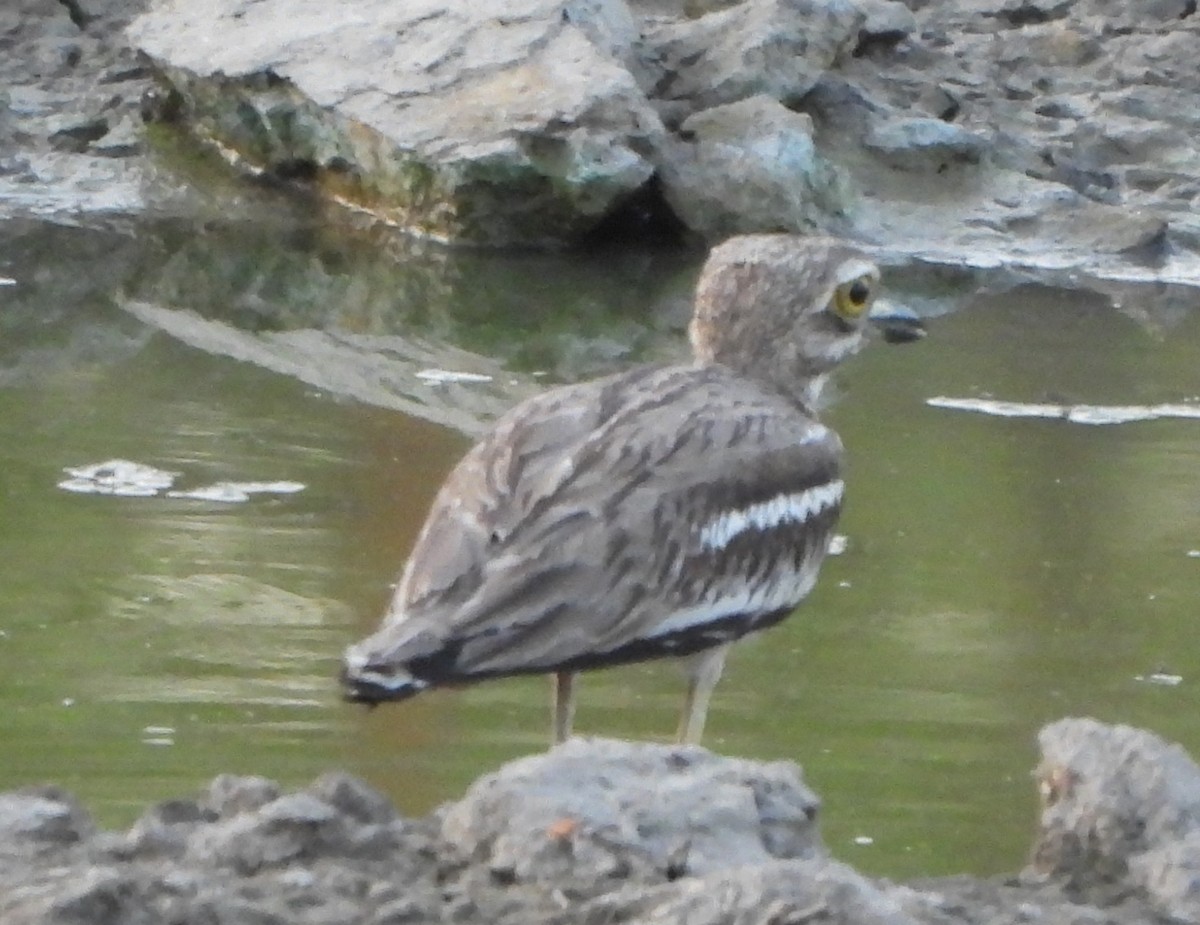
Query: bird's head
x=787 y=310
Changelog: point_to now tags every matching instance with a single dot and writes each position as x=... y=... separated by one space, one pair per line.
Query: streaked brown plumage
x=664 y=511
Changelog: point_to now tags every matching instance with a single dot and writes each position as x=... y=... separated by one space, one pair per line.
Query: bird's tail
x=384 y=666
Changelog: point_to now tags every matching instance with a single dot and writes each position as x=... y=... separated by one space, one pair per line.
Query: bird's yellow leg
x=704 y=671
x=562 y=705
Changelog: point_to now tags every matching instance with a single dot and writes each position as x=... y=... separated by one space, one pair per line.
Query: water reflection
x=999 y=572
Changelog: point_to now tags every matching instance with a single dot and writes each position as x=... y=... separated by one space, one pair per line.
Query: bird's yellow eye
x=850 y=300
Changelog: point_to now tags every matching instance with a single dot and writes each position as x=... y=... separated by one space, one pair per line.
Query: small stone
x=101 y=896
x=46 y=816
x=405 y=911
x=887 y=23
x=750 y=165
x=353 y=797
x=162 y=830
x=922 y=144
x=1030 y=12
x=298 y=809
x=295 y=827
x=230 y=794
x=123 y=140
x=1059 y=109
x=77 y=136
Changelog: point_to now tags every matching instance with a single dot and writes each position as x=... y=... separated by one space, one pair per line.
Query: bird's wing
x=620 y=520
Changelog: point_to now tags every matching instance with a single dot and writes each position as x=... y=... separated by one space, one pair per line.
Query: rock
x=1120 y=812
x=53 y=64
x=59 y=55
x=777 y=48
x=354 y=798
x=753 y=166
x=100 y=897
x=1056 y=45
x=162 y=830
x=939 y=103
x=121 y=140
x=1124 y=141
x=1027 y=12
x=228 y=794
x=543 y=122
x=41 y=818
x=600 y=811
x=694 y=9
x=1058 y=96
x=886 y=23
x=1085 y=226
x=293 y=827
x=597 y=831
x=813 y=890
x=930 y=145
x=493 y=123
x=1011 y=901
x=78 y=135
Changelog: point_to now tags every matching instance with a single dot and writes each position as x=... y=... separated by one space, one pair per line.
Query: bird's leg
x=704 y=671
x=563 y=704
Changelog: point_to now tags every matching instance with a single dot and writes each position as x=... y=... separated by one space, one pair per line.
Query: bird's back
x=660 y=511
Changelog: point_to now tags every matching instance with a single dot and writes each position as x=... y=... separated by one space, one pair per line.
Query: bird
x=665 y=511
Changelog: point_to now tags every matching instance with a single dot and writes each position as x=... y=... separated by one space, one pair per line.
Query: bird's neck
x=804 y=391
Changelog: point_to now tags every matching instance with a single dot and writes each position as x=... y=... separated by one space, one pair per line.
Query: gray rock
x=694 y=9
x=1120 y=811
x=77 y=134
x=813 y=890
x=777 y=48
x=929 y=145
x=753 y=166
x=228 y=794
x=886 y=22
x=1085 y=226
x=100 y=897
x=161 y=831
x=597 y=810
x=1027 y=12
x=58 y=55
x=42 y=817
x=492 y=122
x=1085 y=96
x=124 y=139
x=296 y=826
x=52 y=69
x=354 y=798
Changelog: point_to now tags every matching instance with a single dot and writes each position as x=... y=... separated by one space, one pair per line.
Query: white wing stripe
x=781 y=591
x=766 y=515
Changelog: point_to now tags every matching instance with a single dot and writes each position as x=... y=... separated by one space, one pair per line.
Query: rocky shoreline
x=601 y=831
x=1055 y=136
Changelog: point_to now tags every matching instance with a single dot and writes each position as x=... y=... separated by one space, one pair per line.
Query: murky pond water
x=999 y=572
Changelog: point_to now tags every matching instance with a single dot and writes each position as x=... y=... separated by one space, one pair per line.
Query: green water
x=1000 y=572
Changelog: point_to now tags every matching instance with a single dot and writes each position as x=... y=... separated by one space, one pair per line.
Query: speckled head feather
x=776 y=308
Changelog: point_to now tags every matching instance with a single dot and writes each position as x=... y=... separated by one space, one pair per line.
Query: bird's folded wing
x=601 y=516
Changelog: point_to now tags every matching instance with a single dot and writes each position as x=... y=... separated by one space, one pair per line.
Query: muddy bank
x=602 y=831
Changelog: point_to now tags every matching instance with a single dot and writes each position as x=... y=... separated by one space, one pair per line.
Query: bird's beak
x=897 y=324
